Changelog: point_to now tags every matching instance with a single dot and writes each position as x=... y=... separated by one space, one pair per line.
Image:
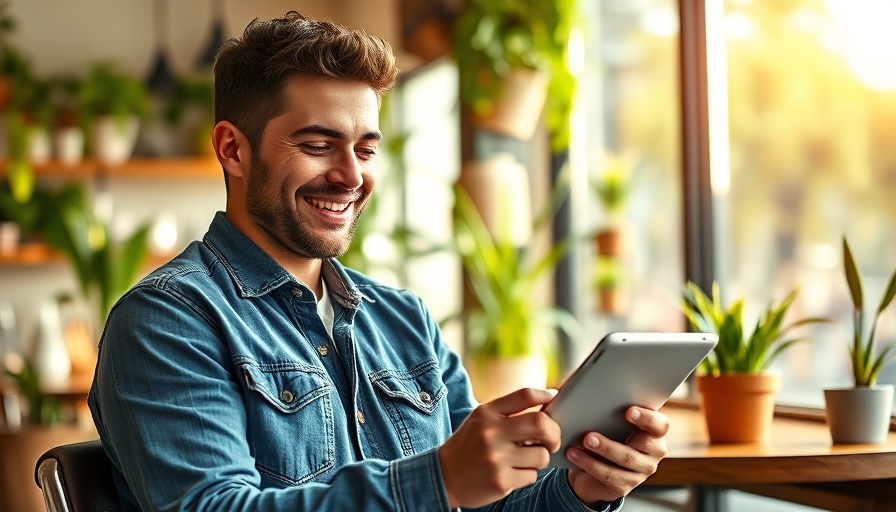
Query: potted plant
x=737 y=390
x=612 y=185
x=18 y=209
x=861 y=413
x=516 y=50
x=31 y=99
x=193 y=101
x=113 y=103
x=104 y=267
x=508 y=330
x=68 y=137
x=606 y=281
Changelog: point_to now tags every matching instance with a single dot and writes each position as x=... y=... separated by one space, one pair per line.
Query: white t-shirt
x=325 y=309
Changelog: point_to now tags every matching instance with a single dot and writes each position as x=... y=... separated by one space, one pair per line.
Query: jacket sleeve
x=170 y=412
x=551 y=492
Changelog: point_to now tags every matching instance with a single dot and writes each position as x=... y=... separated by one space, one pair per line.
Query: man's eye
x=366 y=153
x=315 y=148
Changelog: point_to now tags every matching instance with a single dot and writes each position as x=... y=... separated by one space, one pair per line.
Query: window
x=808 y=156
x=629 y=99
x=811 y=107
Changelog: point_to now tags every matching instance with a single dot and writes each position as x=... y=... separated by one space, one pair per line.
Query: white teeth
x=329 y=205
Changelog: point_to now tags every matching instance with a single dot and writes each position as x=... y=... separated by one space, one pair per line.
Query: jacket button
x=286 y=396
x=297 y=292
x=361 y=419
x=424 y=397
x=322 y=350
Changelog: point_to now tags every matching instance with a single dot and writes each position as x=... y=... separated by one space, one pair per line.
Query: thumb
x=520 y=400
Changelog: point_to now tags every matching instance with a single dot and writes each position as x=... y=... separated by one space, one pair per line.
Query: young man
x=254 y=372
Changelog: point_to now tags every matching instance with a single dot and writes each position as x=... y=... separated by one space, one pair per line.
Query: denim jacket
x=218 y=388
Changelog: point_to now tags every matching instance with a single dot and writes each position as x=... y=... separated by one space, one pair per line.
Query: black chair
x=77 y=478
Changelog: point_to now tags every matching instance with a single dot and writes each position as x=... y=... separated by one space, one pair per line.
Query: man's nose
x=347 y=173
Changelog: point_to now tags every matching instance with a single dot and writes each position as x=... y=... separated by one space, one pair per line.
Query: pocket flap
x=286 y=386
x=421 y=387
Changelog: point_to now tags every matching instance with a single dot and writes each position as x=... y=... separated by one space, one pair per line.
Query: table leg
x=706 y=498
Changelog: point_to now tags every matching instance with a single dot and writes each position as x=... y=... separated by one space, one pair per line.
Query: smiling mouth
x=331 y=206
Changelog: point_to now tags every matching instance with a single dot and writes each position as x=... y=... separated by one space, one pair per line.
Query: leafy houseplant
x=736 y=389
x=612 y=185
x=107 y=91
x=735 y=352
x=866 y=365
x=507 y=321
x=104 y=267
x=112 y=105
x=43 y=409
x=493 y=38
x=606 y=281
x=861 y=414
x=195 y=94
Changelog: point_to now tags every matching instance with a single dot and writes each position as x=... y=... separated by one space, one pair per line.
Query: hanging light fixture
x=207 y=58
x=161 y=79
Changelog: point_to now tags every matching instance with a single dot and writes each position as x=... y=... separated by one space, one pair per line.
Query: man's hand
x=498 y=448
x=610 y=470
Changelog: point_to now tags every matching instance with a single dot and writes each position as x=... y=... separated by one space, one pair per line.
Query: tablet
x=624 y=369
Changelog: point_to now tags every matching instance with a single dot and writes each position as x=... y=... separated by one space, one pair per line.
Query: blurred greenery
x=194 y=94
x=42 y=409
x=492 y=37
x=105 y=267
x=108 y=91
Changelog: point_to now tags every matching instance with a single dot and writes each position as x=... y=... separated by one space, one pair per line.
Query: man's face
x=315 y=166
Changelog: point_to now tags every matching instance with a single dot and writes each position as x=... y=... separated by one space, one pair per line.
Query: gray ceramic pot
x=859 y=414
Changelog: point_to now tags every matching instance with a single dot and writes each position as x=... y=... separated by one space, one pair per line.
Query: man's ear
x=231 y=147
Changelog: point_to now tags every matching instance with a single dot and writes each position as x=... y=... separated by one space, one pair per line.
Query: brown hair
x=250 y=71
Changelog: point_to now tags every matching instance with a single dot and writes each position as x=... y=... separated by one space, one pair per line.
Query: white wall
x=68 y=35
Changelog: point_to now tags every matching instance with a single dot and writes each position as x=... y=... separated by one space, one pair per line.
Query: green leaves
x=109 y=91
x=509 y=320
x=492 y=37
x=105 y=268
x=865 y=365
x=735 y=351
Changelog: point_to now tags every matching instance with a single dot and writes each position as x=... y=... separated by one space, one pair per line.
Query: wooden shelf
x=162 y=169
x=150 y=168
x=31 y=254
x=35 y=254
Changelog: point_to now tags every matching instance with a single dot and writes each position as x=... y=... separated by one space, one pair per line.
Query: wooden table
x=799 y=464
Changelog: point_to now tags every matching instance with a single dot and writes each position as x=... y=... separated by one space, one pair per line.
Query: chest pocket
x=414 y=401
x=290 y=417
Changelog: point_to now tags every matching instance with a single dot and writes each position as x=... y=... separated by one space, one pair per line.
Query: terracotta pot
x=495 y=377
x=738 y=407
x=518 y=109
x=610 y=242
x=859 y=414
x=611 y=301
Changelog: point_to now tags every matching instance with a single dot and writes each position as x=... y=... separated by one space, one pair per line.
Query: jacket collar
x=255 y=273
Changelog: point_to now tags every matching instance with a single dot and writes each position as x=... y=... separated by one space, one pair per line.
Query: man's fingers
x=623 y=456
x=520 y=400
x=652 y=422
x=534 y=428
